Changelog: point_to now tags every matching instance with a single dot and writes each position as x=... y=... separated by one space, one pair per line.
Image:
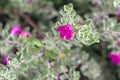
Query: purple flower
x=24 y=36
x=15 y=29
x=28 y=2
x=118 y=41
x=5 y=60
x=58 y=77
x=114 y=57
x=24 y=33
x=65 y=31
x=80 y=23
x=118 y=13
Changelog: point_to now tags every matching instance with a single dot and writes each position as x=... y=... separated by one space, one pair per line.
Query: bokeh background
x=43 y=14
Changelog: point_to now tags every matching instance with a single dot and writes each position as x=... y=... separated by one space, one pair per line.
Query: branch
x=29 y=21
x=9 y=42
x=38 y=30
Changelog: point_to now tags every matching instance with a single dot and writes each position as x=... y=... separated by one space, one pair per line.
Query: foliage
x=95 y=28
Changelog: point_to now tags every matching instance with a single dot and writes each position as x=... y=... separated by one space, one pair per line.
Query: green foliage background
x=86 y=53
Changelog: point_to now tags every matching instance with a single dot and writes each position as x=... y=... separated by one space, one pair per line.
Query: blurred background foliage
x=90 y=61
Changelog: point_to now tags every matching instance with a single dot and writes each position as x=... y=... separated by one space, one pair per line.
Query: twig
x=29 y=21
x=27 y=18
x=9 y=42
x=65 y=73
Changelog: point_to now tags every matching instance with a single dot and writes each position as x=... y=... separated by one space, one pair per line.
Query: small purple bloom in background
x=118 y=13
x=80 y=23
x=24 y=33
x=58 y=77
x=5 y=60
x=28 y=2
x=118 y=41
x=114 y=57
x=65 y=31
x=15 y=29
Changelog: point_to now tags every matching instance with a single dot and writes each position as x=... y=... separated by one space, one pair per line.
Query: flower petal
x=118 y=41
x=5 y=60
x=60 y=28
x=62 y=34
x=15 y=29
x=118 y=13
x=68 y=26
x=58 y=77
x=68 y=35
x=24 y=33
x=114 y=58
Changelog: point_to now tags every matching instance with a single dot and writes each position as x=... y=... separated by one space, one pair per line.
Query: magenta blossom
x=118 y=13
x=118 y=41
x=15 y=29
x=65 y=31
x=25 y=34
x=80 y=23
x=58 y=77
x=5 y=60
x=28 y=2
x=114 y=57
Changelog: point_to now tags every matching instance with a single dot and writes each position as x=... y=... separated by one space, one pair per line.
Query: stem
x=65 y=73
x=27 y=18
x=30 y=22
x=9 y=42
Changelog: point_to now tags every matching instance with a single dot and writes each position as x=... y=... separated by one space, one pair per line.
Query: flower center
x=66 y=28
